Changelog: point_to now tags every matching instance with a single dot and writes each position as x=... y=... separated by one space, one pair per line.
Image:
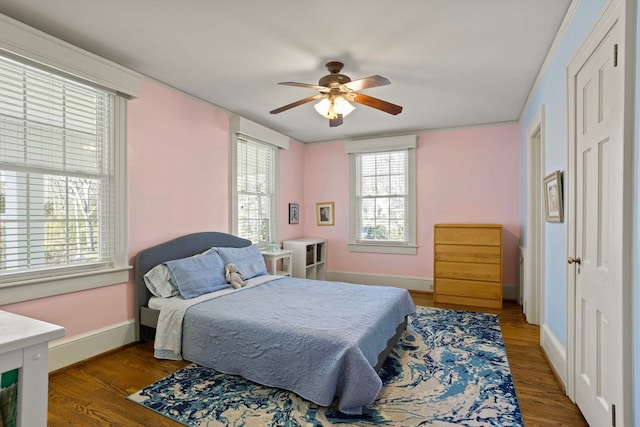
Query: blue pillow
x=198 y=275
x=249 y=260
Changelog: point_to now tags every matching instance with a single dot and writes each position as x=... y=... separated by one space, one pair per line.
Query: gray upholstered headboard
x=180 y=247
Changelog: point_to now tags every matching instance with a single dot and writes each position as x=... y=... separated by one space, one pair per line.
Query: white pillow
x=158 y=282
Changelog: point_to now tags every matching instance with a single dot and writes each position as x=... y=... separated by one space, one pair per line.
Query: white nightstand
x=271 y=258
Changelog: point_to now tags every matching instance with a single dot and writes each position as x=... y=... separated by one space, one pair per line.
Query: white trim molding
x=63 y=284
x=534 y=268
x=555 y=352
x=381 y=144
x=240 y=125
x=404 y=282
x=376 y=248
x=20 y=40
x=67 y=351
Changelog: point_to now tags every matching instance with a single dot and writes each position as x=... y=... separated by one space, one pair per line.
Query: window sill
x=50 y=286
x=383 y=249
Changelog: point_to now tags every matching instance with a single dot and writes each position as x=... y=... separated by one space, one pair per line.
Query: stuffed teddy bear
x=233 y=276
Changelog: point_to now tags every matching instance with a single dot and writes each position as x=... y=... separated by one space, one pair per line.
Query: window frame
x=240 y=127
x=275 y=195
x=400 y=143
x=63 y=281
x=33 y=47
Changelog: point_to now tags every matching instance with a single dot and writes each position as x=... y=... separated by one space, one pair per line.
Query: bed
x=319 y=339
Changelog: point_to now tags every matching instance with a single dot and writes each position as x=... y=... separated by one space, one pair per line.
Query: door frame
x=534 y=277
x=616 y=12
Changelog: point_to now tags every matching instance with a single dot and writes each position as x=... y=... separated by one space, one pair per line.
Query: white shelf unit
x=309 y=260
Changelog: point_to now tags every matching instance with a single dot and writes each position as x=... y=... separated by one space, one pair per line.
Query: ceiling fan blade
x=376 y=103
x=335 y=122
x=308 y=86
x=367 y=82
x=299 y=102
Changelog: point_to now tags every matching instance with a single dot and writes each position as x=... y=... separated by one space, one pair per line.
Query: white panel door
x=599 y=174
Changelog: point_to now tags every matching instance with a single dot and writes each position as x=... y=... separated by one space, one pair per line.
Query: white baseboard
x=555 y=352
x=405 y=282
x=509 y=292
x=67 y=351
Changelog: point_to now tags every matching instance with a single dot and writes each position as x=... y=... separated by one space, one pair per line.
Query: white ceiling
x=450 y=62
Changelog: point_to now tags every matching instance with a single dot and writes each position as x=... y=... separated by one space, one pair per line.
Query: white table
x=24 y=345
x=272 y=257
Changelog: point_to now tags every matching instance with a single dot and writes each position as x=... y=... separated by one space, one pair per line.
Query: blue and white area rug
x=449 y=368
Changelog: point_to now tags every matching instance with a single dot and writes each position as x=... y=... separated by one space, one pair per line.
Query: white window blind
x=255 y=190
x=382 y=197
x=56 y=174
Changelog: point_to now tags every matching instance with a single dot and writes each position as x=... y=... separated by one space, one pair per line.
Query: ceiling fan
x=336 y=90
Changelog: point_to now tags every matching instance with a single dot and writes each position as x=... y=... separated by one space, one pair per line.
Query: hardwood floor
x=93 y=393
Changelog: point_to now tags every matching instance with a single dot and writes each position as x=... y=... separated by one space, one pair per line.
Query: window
x=383 y=195
x=255 y=191
x=57 y=175
x=255 y=165
x=63 y=166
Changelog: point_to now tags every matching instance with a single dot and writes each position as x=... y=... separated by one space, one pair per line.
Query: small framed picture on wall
x=553 y=197
x=324 y=212
x=294 y=213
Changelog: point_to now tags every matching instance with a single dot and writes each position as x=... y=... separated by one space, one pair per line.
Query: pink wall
x=327 y=180
x=178 y=167
x=464 y=176
x=471 y=175
x=80 y=312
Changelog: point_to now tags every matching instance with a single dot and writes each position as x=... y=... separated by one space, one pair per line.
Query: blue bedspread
x=317 y=339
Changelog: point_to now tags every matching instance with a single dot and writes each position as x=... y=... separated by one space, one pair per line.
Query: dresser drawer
x=468 y=271
x=466 y=253
x=476 y=302
x=469 y=288
x=490 y=236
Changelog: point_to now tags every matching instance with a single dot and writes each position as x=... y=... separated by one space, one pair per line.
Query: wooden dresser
x=468 y=264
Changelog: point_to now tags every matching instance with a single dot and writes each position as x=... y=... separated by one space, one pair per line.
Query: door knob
x=571 y=260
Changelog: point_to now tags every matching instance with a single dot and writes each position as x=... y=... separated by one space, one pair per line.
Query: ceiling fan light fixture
x=331 y=108
x=324 y=108
x=342 y=106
